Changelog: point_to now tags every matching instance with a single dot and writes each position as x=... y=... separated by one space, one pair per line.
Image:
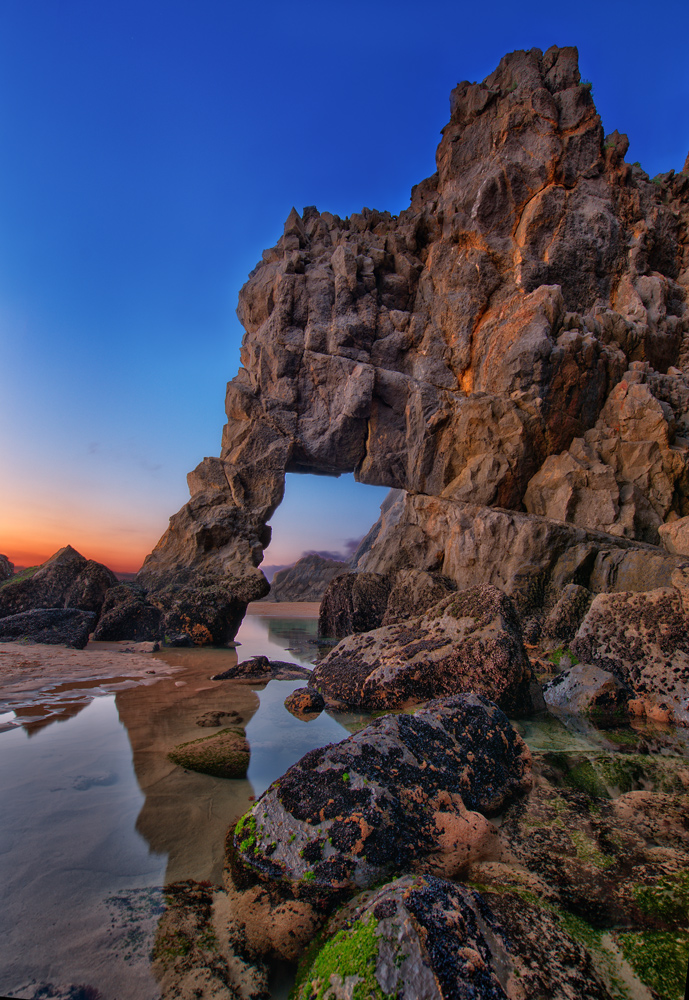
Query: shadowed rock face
x=66 y=580
x=517 y=336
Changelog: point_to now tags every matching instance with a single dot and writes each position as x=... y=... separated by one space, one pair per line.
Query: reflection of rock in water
x=185 y=815
x=296 y=635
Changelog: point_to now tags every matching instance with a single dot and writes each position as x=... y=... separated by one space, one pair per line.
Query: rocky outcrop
x=66 y=580
x=643 y=639
x=406 y=790
x=126 y=614
x=469 y=641
x=306 y=580
x=6 y=568
x=585 y=689
x=528 y=557
x=353 y=602
x=304 y=703
x=261 y=669
x=222 y=755
x=518 y=336
x=55 y=626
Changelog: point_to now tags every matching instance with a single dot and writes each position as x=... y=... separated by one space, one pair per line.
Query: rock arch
x=515 y=342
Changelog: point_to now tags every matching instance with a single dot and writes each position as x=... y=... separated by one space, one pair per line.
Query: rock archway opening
x=325 y=517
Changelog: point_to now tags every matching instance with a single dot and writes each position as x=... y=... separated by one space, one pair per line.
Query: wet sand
x=41 y=683
x=284 y=609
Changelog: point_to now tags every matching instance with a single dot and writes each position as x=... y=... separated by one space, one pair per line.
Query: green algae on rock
x=423 y=936
x=407 y=790
x=222 y=755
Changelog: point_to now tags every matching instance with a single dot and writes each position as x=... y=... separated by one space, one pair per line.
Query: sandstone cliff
x=512 y=351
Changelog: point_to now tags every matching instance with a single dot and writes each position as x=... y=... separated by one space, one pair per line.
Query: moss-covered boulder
x=431 y=938
x=406 y=791
x=223 y=755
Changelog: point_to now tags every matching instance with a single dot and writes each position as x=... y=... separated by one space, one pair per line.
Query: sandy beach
x=40 y=682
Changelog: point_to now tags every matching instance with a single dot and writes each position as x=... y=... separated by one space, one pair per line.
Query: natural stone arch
x=448 y=352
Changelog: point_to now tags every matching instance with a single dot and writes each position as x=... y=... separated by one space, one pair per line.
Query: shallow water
x=96 y=820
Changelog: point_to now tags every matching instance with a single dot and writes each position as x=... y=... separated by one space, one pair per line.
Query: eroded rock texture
x=405 y=791
x=469 y=641
x=517 y=338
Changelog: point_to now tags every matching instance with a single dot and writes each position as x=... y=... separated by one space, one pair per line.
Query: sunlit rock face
x=517 y=338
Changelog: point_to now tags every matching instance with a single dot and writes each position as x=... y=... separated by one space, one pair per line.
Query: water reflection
x=96 y=819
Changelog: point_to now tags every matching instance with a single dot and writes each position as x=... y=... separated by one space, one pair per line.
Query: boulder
x=6 y=568
x=307 y=580
x=469 y=641
x=423 y=936
x=304 y=702
x=222 y=755
x=54 y=626
x=126 y=614
x=66 y=580
x=413 y=592
x=353 y=602
x=405 y=791
x=208 y=613
x=643 y=639
x=260 y=668
x=585 y=689
x=675 y=536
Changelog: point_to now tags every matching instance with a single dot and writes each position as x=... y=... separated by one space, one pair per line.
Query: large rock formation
x=517 y=338
x=66 y=580
x=406 y=791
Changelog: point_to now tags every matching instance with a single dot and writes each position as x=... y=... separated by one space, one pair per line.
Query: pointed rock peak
x=619 y=142
x=294 y=226
x=64 y=556
x=685 y=168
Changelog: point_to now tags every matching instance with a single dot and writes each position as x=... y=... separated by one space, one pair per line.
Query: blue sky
x=151 y=150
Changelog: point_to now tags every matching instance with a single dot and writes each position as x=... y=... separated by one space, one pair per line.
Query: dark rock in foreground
x=260 y=668
x=223 y=755
x=126 y=614
x=66 y=580
x=306 y=580
x=53 y=626
x=6 y=568
x=470 y=641
x=425 y=937
x=405 y=791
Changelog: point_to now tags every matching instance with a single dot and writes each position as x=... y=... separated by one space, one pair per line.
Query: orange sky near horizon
x=33 y=551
